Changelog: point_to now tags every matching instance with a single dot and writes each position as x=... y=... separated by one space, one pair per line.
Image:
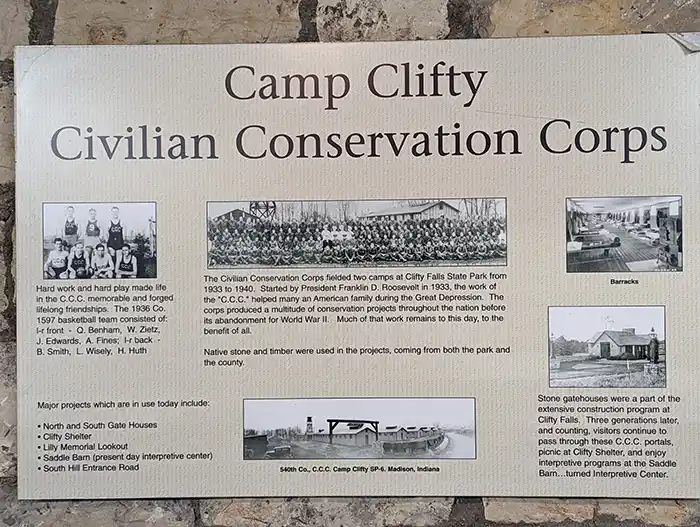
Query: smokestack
x=309 y=426
x=628 y=330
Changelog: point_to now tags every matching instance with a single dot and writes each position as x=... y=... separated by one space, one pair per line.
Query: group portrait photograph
x=360 y=233
x=99 y=241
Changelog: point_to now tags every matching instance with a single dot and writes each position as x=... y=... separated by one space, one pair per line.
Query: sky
x=333 y=208
x=604 y=205
x=581 y=323
x=282 y=413
x=134 y=216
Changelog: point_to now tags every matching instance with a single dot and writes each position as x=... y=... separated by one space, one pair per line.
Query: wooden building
x=359 y=435
x=346 y=434
x=235 y=215
x=430 y=210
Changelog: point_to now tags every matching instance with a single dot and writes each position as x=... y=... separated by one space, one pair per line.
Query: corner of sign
x=690 y=42
x=24 y=59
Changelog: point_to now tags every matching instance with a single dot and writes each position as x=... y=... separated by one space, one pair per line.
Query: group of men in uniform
x=90 y=250
x=246 y=241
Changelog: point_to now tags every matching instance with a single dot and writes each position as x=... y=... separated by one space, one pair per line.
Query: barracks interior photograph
x=624 y=234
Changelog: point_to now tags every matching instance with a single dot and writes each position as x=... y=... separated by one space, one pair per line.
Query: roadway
x=460 y=446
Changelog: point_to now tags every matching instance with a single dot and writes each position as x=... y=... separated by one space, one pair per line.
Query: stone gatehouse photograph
x=607 y=347
x=358 y=428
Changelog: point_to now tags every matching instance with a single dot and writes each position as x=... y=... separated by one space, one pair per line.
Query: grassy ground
x=631 y=380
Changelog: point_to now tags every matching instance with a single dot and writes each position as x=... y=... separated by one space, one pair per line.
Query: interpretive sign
x=428 y=268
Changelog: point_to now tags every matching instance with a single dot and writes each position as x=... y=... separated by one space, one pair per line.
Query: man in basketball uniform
x=78 y=262
x=115 y=234
x=102 y=265
x=127 y=266
x=56 y=266
x=70 y=232
x=93 y=231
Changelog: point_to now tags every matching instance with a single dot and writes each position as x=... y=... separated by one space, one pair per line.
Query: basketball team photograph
x=99 y=241
x=362 y=233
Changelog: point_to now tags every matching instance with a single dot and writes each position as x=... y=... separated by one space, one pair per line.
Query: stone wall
x=218 y=21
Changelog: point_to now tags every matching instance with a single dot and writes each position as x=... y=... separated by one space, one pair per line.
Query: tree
x=142 y=244
x=285 y=211
x=310 y=212
x=344 y=210
x=562 y=347
x=471 y=207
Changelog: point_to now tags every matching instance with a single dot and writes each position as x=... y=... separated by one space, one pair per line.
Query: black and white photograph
x=359 y=428
x=607 y=347
x=99 y=241
x=624 y=234
x=431 y=232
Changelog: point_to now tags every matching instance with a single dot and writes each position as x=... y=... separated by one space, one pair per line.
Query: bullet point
x=38 y=426
x=39 y=447
x=38 y=437
x=38 y=468
x=39 y=458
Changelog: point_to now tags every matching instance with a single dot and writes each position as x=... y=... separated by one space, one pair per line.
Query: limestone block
x=94 y=513
x=7 y=140
x=318 y=512
x=8 y=413
x=7 y=211
x=14 y=25
x=669 y=513
x=521 y=18
x=517 y=510
x=664 y=16
x=13 y=269
x=240 y=512
x=469 y=18
x=165 y=21
x=375 y=20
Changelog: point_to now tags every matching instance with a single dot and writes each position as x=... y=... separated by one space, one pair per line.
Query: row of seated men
x=81 y=262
